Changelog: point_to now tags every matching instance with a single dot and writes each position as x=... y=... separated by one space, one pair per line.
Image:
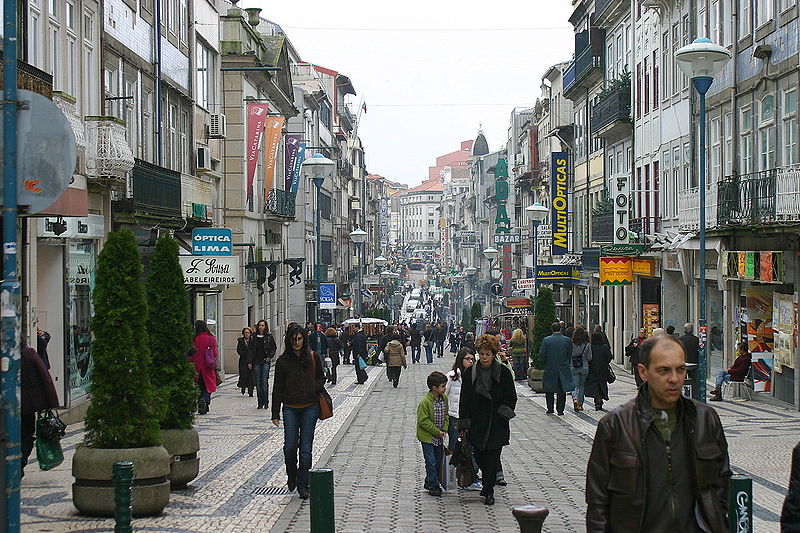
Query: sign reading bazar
x=210 y=270
x=559 y=197
x=212 y=241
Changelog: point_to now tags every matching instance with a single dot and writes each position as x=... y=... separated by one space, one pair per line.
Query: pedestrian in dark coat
x=37 y=394
x=555 y=353
x=262 y=351
x=690 y=342
x=632 y=351
x=790 y=516
x=416 y=342
x=334 y=349
x=359 y=353
x=42 y=340
x=597 y=381
x=345 y=338
x=246 y=379
x=487 y=403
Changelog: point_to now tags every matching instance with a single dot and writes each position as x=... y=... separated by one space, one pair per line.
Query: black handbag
x=49 y=426
x=612 y=377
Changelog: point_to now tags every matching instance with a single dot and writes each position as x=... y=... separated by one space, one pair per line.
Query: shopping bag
x=443 y=469
x=361 y=364
x=48 y=440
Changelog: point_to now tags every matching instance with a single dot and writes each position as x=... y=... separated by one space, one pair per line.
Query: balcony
x=345 y=168
x=761 y=198
x=197 y=195
x=689 y=208
x=31 y=78
x=607 y=11
x=589 y=63
x=346 y=118
x=156 y=196
x=107 y=152
x=603 y=228
x=280 y=204
x=611 y=115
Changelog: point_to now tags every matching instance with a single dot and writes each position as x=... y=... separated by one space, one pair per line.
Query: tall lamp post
x=318 y=167
x=491 y=254
x=538 y=214
x=701 y=61
x=358 y=236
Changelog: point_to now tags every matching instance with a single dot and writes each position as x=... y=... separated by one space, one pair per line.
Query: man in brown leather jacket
x=659 y=463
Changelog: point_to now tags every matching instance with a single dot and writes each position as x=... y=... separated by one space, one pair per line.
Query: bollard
x=740 y=504
x=530 y=518
x=122 y=476
x=321 y=500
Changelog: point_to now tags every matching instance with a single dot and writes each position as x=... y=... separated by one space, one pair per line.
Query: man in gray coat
x=555 y=353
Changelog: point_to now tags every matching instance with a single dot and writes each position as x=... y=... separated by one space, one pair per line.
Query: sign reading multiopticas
x=559 y=197
x=558 y=274
x=210 y=270
x=212 y=241
x=621 y=190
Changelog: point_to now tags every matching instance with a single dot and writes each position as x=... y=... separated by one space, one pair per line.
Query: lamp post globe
x=537 y=212
x=380 y=261
x=701 y=61
x=491 y=253
x=358 y=236
x=470 y=270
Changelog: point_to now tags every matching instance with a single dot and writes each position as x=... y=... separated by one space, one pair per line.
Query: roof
x=433 y=185
x=480 y=147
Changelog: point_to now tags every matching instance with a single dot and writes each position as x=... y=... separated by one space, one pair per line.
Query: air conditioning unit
x=203 y=160
x=217 y=126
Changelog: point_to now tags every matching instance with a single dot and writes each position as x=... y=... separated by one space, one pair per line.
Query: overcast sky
x=430 y=72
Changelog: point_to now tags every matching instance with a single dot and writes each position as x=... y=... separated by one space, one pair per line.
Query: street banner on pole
x=272 y=137
x=256 y=115
x=291 y=148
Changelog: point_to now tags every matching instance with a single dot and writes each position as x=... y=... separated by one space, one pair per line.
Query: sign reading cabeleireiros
x=210 y=270
x=559 y=194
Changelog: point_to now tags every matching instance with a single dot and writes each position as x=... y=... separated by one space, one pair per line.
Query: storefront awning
x=712 y=243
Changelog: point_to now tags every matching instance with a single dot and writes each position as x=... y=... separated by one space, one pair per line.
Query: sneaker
x=435 y=491
x=475 y=486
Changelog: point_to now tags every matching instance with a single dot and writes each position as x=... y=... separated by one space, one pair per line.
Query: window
x=677 y=74
x=665 y=57
x=766 y=145
x=746 y=147
x=90 y=84
x=53 y=58
x=69 y=16
x=646 y=88
x=72 y=67
x=129 y=110
x=183 y=26
x=204 y=81
x=324 y=206
x=53 y=8
x=763 y=12
x=767 y=108
x=183 y=144
x=727 y=153
x=744 y=18
x=655 y=79
x=148 y=127
x=35 y=40
x=609 y=60
x=715 y=141
x=676 y=179
x=173 y=137
x=88 y=25
x=715 y=21
x=790 y=155
x=726 y=12
x=638 y=90
x=688 y=181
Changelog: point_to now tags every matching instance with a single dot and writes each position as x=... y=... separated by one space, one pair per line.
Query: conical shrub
x=170 y=332
x=123 y=410
x=542 y=323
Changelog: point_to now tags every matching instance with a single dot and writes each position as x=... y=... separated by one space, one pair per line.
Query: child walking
x=432 y=424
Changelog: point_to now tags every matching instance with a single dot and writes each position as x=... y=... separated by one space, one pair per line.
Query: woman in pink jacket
x=205 y=364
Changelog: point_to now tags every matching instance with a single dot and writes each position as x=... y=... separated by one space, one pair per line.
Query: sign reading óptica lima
x=559 y=198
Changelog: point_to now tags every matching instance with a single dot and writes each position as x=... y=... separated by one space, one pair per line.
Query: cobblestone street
x=371 y=446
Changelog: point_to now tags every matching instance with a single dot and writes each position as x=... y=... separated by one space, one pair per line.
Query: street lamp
x=318 y=167
x=701 y=61
x=491 y=254
x=358 y=236
x=538 y=214
x=380 y=262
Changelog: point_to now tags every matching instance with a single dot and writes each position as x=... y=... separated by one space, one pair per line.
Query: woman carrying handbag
x=581 y=356
x=37 y=393
x=599 y=372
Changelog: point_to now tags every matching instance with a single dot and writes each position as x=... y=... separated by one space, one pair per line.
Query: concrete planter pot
x=182 y=446
x=535 y=377
x=93 y=490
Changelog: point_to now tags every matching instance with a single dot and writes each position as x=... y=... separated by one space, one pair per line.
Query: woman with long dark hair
x=581 y=355
x=246 y=380
x=262 y=350
x=597 y=380
x=205 y=351
x=298 y=379
x=464 y=359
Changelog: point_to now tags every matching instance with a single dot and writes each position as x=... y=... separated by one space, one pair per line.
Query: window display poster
x=759 y=302
x=762 y=373
x=651 y=318
x=760 y=335
x=783 y=318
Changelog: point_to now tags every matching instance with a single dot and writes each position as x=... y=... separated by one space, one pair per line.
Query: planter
x=535 y=377
x=182 y=446
x=93 y=490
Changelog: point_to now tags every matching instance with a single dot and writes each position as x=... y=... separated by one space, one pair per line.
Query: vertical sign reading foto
x=621 y=187
x=559 y=194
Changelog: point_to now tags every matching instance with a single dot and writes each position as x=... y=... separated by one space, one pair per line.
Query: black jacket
x=262 y=348
x=790 y=516
x=296 y=381
x=487 y=419
x=359 y=344
x=416 y=337
x=617 y=477
x=597 y=380
x=691 y=345
x=334 y=350
x=36 y=386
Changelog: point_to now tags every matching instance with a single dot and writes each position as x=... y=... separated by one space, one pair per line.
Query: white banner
x=210 y=269
x=526 y=283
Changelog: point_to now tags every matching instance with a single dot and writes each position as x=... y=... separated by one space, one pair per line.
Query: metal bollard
x=122 y=476
x=530 y=518
x=321 y=500
x=740 y=504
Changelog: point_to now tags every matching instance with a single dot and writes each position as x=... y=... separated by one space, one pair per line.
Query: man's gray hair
x=688 y=327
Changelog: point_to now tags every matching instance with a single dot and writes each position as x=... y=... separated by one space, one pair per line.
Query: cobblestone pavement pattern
x=378 y=469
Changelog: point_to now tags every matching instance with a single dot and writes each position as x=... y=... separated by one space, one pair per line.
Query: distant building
x=419 y=211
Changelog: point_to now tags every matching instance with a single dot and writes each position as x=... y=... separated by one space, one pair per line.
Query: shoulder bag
x=49 y=430
x=324 y=399
x=611 y=377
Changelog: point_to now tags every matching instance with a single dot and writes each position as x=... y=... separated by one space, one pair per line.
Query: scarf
x=483 y=385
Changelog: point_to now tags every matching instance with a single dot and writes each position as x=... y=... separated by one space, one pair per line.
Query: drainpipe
x=159 y=120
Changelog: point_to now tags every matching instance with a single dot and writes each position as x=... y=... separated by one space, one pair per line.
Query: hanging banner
x=559 y=195
x=298 y=162
x=616 y=271
x=272 y=138
x=651 y=317
x=644 y=267
x=765 y=266
x=291 y=147
x=503 y=223
x=256 y=115
x=621 y=191
x=750 y=265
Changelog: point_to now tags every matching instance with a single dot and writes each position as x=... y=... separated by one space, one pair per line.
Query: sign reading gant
x=559 y=198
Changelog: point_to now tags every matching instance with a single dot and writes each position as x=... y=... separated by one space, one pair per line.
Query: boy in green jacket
x=432 y=422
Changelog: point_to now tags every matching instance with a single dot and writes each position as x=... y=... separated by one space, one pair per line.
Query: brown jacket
x=617 y=477
x=395 y=353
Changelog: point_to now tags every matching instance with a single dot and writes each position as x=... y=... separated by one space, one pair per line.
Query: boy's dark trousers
x=488 y=461
x=433 y=457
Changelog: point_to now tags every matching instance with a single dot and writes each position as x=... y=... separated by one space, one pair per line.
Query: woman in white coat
x=464 y=359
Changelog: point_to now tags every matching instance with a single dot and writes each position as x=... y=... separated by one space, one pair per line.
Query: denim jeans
x=415 y=353
x=433 y=456
x=579 y=381
x=298 y=432
x=439 y=349
x=261 y=374
x=429 y=352
x=722 y=376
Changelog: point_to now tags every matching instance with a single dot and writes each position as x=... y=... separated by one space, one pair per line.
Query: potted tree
x=170 y=332
x=121 y=422
x=543 y=320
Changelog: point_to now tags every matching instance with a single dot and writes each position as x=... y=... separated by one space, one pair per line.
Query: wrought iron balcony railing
x=612 y=108
x=280 y=203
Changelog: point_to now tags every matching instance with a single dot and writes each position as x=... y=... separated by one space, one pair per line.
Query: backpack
x=577 y=360
x=210 y=359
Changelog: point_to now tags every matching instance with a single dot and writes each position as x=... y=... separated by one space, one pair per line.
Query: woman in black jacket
x=262 y=350
x=246 y=380
x=298 y=380
x=334 y=349
x=487 y=403
x=597 y=380
x=37 y=394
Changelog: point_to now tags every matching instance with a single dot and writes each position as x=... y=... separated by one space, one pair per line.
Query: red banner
x=256 y=115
